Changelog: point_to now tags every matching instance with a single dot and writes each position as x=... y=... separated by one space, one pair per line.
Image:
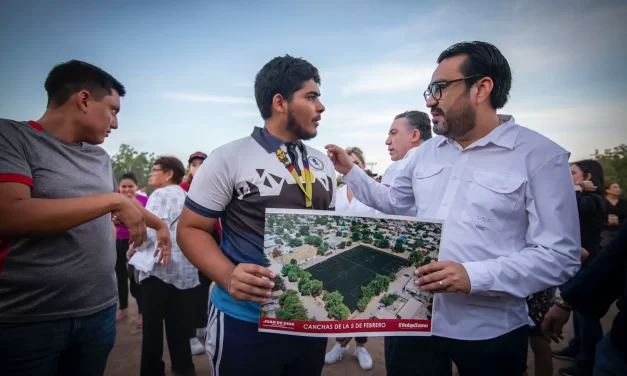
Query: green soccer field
x=350 y=270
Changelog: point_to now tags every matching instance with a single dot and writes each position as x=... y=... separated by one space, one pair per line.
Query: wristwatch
x=562 y=304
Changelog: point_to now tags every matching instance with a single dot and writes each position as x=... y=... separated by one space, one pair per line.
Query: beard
x=298 y=129
x=456 y=122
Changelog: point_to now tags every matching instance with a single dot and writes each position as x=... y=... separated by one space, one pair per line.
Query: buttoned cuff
x=480 y=278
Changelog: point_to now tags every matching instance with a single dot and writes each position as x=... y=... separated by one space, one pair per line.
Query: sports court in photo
x=350 y=270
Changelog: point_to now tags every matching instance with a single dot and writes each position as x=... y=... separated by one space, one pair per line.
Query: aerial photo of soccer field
x=349 y=271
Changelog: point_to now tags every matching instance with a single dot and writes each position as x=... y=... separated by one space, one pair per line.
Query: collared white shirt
x=510 y=218
x=392 y=172
x=354 y=206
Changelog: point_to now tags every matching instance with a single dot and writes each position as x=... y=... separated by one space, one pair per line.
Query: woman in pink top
x=128 y=187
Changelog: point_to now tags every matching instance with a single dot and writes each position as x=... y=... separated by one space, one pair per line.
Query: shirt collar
x=269 y=142
x=410 y=152
x=504 y=135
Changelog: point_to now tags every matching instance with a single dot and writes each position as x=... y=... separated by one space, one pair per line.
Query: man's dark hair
x=172 y=164
x=129 y=175
x=68 y=78
x=283 y=75
x=417 y=120
x=484 y=60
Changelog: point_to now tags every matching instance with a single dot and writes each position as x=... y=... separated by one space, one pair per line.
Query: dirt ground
x=303 y=252
x=125 y=357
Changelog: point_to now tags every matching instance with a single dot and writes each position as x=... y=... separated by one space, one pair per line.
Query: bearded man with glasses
x=511 y=227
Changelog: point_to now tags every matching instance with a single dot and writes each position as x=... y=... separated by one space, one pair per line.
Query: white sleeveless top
x=354 y=206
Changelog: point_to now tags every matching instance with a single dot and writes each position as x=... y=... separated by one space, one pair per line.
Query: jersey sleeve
x=212 y=188
x=14 y=167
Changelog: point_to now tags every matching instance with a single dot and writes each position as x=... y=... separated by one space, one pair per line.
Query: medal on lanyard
x=307 y=175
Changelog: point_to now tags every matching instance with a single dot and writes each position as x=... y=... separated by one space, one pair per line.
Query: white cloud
x=209 y=98
x=389 y=77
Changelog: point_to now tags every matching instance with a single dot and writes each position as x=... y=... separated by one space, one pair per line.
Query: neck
x=280 y=131
x=410 y=149
x=59 y=124
x=483 y=126
x=611 y=196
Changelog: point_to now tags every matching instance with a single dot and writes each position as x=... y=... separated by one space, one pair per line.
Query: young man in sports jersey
x=237 y=182
x=58 y=291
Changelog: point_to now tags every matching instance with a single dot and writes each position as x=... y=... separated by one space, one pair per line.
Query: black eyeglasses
x=435 y=90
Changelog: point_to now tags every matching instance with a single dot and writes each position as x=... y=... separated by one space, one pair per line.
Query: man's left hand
x=443 y=276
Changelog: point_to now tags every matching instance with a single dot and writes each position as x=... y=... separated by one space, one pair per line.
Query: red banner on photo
x=346 y=326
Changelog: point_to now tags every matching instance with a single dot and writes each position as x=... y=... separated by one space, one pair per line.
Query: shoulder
x=531 y=140
x=14 y=131
x=232 y=148
x=538 y=151
x=98 y=152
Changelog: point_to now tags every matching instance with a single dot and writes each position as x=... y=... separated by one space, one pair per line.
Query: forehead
x=113 y=98
x=399 y=125
x=448 y=69
x=309 y=86
x=127 y=182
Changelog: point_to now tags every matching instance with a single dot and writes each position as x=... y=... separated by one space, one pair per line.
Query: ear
x=169 y=175
x=279 y=104
x=484 y=89
x=82 y=100
x=415 y=136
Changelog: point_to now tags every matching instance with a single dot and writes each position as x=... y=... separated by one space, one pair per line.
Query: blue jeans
x=69 y=347
x=609 y=361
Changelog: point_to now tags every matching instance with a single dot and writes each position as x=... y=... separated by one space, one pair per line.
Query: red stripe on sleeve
x=15 y=178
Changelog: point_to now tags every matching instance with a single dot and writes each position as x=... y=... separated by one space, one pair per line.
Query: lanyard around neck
x=307 y=175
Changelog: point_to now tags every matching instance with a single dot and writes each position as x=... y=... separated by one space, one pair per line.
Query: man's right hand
x=132 y=218
x=246 y=283
x=553 y=322
x=341 y=161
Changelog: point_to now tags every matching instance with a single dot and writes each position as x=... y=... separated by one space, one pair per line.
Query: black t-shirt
x=619 y=210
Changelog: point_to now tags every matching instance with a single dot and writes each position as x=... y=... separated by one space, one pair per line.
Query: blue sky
x=189 y=66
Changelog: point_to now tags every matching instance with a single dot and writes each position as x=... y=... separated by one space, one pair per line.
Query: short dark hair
x=417 y=120
x=72 y=76
x=172 y=164
x=283 y=75
x=484 y=59
x=129 y=175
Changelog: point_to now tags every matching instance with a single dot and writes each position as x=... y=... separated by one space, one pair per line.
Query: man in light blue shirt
x=511 y=224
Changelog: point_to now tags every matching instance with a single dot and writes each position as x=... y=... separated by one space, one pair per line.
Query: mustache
x=437 y=111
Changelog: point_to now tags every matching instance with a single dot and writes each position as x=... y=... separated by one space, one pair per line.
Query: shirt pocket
x=425 y=180
x=491 y=199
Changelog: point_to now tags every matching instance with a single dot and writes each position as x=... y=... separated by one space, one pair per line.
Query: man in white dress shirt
x=408 y=131
x=511 y=224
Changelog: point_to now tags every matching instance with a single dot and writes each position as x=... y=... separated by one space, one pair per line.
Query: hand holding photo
x=341 y=274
